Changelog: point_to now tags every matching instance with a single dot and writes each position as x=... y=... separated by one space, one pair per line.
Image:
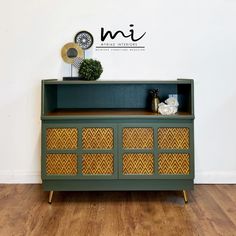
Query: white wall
x=185 y=38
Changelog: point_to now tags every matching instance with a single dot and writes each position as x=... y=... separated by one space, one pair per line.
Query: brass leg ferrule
x=50 y=197
x=185 y=196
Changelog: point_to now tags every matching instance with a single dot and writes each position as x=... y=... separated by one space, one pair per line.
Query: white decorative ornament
x=172 y=101
x=170 y=107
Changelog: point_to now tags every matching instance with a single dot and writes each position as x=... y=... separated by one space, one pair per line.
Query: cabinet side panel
x=184 y=97
x=49 y=98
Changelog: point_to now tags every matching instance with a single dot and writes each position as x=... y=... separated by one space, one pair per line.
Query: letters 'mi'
x=131 y=35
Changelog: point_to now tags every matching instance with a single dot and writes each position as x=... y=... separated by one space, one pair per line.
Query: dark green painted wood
x=118 y=152
x=79 y=151
x=61 y=94
x=156 y=151
x=117 y=121
x=49 y=98
x=104 y=94
x=116 y=185
x=178 y=81
x=123 y=151
x=118 y=118
x=110 y=95
x=97 y=151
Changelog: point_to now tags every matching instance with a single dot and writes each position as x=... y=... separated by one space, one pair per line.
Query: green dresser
x=102 y=135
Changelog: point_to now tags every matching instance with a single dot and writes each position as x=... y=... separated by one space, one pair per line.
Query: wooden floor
x=24 y=211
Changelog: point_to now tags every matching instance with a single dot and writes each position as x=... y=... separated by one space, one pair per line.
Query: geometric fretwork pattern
x=97 y=138
x=173 y=138
x=173 y=164
x=138 y=164
x=97 y=164
x=61 y=164
x=61 y=138
x=137 y=138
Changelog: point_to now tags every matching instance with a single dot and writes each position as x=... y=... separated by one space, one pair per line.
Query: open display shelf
x=102 y=135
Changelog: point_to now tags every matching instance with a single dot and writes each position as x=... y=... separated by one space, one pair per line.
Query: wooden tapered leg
x=185 y=196
x=50 y=197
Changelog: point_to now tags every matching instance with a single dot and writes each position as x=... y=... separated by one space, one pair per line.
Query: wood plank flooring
x=211 y=211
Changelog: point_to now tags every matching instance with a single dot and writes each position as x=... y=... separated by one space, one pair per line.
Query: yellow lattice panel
x=137 y=138
x=138 y=164
x=97 y=138
x=173 y=138
x=174 y=164
x=61 y=164
x=97 y=164
x=61 y=138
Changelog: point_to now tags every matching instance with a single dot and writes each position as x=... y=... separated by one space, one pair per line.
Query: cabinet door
x=98 y=151
x=175 y=150
x=156 y=151
x=79 y=151
x=137 y=150
x=59 y=151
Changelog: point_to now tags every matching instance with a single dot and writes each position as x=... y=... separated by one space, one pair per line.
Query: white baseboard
x=20 y=177
x=23 y=177
x=215 y=177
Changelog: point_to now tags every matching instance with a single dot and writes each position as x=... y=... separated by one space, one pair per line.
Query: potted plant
x=90 y=69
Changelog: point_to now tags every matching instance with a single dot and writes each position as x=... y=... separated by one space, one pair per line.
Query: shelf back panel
x=110 y=95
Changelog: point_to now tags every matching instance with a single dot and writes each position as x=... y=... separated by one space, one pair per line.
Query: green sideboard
x=102 y=135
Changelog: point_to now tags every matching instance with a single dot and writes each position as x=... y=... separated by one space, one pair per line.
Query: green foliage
x=90 y=69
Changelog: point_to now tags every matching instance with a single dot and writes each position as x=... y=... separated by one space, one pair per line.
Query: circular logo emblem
x=84 y=39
